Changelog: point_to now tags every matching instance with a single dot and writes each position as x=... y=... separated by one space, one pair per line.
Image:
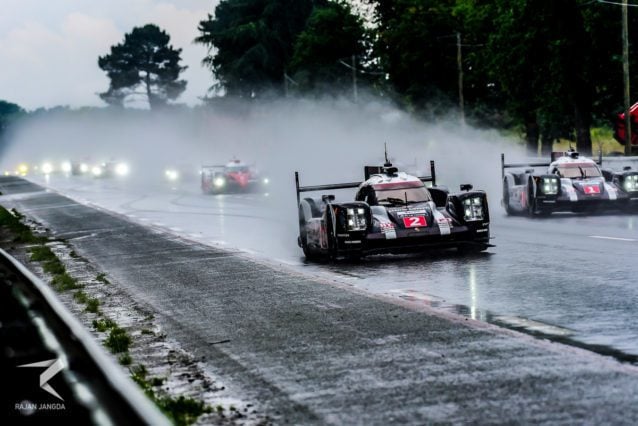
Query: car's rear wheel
x=506 y=198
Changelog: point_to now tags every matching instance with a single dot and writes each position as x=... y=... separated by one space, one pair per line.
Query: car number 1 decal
x=414 y=221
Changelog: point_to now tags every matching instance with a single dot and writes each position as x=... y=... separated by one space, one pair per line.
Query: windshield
x=578 y=171
x=400 y=195
x=242 y=169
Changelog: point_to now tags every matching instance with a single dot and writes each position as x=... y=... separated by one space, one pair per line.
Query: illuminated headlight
x=23 y=169
x=172 y=175
x=47 y=168
x=356 y=219
x=84 y=168
x=549 y=186
x=97 y=171
x=631 y=183
x=473 y=208
x=121 y=169
x=266 y=181
x=66 y=167
x=219 y=182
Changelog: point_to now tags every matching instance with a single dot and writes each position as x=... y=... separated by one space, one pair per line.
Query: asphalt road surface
x=568 y=277
x=311 y=347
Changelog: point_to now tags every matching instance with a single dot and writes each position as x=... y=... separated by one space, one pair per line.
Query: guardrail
x=101 y=393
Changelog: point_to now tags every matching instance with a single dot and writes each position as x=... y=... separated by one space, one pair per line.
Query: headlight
x=97 y=171
x=631 y=183
x=47 y=168
x=549 y=186
x=66 y=167
x=23 y=169
x=84 y=168
x=171 y=175
x=356 y=219
x=219 y=182
x=266 y=181
x=473 y=208
x=121 y=169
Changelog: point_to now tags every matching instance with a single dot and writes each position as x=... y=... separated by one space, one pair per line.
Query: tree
x=251 y=42
x=9 y=113
x=416 y=45
x=145 y=59
x=333 y=34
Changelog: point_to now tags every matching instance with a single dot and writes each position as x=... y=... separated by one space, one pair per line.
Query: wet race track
x=567 y=277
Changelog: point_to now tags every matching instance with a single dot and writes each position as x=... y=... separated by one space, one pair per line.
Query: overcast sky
x=49 y=48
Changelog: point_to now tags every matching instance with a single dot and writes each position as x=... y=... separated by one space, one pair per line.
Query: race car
x=571 y=183
x=393 y=212
x=232 y=177
x=110 y=169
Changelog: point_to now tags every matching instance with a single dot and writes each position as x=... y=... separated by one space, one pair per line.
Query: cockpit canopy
x=394 y=193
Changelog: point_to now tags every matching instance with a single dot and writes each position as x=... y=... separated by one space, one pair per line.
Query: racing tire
x=506 y=199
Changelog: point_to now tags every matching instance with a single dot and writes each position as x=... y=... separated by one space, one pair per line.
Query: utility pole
x=355 y=92
x=625 y=69
x=459 y=62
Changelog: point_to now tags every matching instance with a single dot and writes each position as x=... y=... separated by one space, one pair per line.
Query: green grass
x=41 y=254
x=63 y=282
x=21 y=232
x=92 y=305
x=125 y=359
x=103 y=324
x=181 y=410
x=118 y=340
x=80 y=297
x=101 y=277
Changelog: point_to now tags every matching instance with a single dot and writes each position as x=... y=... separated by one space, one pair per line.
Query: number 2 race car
x=393 y=212
x=571 y=183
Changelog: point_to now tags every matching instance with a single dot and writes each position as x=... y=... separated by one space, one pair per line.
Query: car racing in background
x=571 y=183
x=235 y=176
x=393 y=212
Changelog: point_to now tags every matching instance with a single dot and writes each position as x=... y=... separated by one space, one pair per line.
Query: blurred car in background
x=235 y=176
x=110 y=169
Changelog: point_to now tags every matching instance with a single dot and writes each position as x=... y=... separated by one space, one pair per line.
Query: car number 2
x=414 y=221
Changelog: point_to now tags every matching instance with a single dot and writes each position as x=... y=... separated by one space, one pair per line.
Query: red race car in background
x=619 y=126
x=232 y=177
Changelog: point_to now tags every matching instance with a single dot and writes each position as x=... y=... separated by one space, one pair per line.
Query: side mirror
x=626 y=168
x=466 y=187
x=328 y=198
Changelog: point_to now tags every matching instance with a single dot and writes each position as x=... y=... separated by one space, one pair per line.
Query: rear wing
x=368 y=171
x=554 y=156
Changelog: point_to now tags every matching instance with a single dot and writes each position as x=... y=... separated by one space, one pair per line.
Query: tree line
x=550 y=68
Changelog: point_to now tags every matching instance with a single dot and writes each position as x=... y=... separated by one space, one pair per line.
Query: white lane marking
x=600 y=237
x=532 y=325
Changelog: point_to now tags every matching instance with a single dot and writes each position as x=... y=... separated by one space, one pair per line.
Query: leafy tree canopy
x=251 y=42
x=144 y=64
x=333 y=35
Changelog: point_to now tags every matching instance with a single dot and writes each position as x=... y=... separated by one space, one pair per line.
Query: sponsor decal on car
x=591 y=189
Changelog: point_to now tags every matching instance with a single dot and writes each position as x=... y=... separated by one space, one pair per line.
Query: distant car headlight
x=549 y=186
x=23 y=169
x=47 y=168
x=121 y=169
x=631 y=183
x=219 y=182
x=171 y=175
x=356 y=219
x=473 y=208
x=97 y=171
x=66 y=167
x=84 y=168
x=266 y=181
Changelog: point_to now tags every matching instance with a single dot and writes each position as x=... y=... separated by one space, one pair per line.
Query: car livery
x=571 y=183
x=233 y=177
x=393 y=212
